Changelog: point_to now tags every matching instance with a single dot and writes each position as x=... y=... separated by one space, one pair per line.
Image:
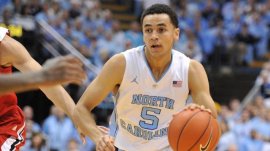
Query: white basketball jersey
x=3 y=32
x=144 y=106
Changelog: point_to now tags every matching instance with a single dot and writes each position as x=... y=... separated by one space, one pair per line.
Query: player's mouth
x=155 y=46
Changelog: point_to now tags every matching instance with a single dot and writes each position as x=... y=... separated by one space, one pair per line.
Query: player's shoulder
x=117 y=58
x=195 y=67
x=117 y=61
x=115 y=68
x=195 y=64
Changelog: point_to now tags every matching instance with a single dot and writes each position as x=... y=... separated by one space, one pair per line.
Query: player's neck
x=158 y=65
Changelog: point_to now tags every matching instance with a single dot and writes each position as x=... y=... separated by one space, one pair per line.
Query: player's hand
x=83 y=138
x=106 y=143
x=62 y=70
x=193 y=106
x=103 y=129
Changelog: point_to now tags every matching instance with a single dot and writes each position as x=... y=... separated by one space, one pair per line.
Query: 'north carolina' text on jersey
x=144 y=106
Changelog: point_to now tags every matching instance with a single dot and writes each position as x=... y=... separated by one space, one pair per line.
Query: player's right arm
x=199 y=86
x=110 y=77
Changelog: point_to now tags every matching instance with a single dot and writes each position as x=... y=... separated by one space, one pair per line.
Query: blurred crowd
x=232 y=32
x=56 y=133
x=247 y=127
x=216 y=33
x=224 y=32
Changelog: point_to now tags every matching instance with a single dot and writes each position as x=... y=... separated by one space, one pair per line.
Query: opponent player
x=12 y=53
x=151 y=83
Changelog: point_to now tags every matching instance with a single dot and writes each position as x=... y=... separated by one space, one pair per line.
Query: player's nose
x=154 y=35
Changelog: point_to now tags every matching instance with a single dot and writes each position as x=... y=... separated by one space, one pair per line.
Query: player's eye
x=148 y=30
x=161 y=30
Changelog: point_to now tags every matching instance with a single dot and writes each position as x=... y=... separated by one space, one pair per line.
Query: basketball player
x=58 y=70
x=12 y=53
x=151 y=83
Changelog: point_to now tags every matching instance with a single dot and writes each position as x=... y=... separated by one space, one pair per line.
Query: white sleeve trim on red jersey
x=3 y=32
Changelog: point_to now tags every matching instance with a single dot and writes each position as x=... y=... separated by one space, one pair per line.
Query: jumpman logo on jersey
x=135 y=80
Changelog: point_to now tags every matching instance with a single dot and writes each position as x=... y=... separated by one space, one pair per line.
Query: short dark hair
x=161 y=9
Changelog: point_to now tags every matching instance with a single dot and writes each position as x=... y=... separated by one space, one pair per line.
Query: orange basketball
x=193 y=130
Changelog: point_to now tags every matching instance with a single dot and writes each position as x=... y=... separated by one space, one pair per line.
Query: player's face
x=159 y=34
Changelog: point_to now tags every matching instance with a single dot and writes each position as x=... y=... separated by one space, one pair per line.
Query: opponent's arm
x=18 y=82
x=110 y=76
x=59 y=70
x=199 y=86
x=18 y=56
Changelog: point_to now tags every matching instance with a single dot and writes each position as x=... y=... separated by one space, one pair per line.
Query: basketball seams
x=184 y=127
x=209 y=119
x=217 y=138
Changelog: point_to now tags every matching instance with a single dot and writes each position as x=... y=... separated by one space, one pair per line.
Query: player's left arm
x=21 y=59
x=199 y=86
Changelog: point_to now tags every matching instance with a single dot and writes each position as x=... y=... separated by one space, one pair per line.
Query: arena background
x=229 y=37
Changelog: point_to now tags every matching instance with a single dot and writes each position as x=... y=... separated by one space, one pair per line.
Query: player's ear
x=176 y=34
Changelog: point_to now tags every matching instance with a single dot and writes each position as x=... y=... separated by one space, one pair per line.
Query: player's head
x=161 y=9
x=160 y=29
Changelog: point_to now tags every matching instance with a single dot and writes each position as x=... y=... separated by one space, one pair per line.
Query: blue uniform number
x=150 y=120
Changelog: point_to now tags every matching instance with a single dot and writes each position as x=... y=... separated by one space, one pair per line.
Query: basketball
x=193 y=130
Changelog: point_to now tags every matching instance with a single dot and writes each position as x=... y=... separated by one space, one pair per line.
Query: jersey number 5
x=148 y=115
